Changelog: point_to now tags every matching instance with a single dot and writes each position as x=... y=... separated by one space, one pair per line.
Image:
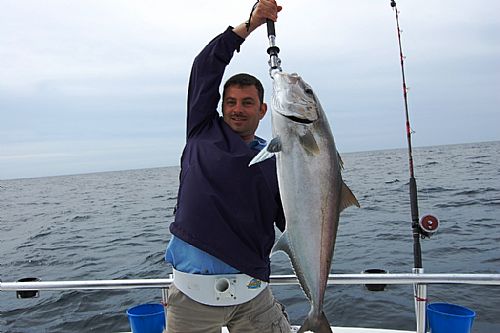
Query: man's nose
x=238 y=107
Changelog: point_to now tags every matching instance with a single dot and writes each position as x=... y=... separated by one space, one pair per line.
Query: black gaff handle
x=273 y=50
x=270 y=28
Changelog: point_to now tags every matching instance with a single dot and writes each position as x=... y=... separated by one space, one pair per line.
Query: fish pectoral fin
x=262 y=156
x=282 y=245
x=308 y=142
x=347 y=198
x=273 y=147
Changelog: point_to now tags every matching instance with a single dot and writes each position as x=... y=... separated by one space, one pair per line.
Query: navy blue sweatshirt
x=224 y=207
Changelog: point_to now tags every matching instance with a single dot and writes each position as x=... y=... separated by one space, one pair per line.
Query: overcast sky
x=98 y=85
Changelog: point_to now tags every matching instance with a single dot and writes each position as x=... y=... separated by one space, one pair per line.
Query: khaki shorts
x=263 y=314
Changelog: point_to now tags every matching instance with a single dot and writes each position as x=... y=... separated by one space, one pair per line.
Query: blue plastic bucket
x=449 y=318
x=147 y=318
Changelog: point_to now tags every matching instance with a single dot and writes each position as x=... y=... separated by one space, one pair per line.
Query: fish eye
x=308 y=91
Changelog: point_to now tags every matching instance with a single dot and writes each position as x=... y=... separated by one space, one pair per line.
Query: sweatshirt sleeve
x=206 y=76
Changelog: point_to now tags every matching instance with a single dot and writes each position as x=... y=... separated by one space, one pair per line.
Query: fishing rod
x=428 y=224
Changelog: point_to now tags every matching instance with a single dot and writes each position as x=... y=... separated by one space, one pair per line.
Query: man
x=224 y=224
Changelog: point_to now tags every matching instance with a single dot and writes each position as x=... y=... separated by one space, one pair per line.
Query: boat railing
x=31 y=287
x=338 y=279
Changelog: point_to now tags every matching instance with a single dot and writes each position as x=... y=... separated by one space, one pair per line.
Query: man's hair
x=244 y=80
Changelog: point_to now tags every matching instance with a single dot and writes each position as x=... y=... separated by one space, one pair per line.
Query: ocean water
x=114 y=225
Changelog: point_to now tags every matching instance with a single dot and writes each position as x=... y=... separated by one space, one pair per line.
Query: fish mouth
x=299 y=120
x=294 y=99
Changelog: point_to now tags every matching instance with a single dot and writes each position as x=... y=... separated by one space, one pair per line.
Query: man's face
x=242 y=110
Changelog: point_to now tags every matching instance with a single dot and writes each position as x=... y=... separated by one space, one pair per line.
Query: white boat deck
x=342 y=330
x=350 y=330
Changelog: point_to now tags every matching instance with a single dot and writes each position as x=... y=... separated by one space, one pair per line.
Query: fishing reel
x=428 y=225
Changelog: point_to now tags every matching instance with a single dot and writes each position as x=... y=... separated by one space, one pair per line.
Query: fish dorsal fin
x=308 y=142
x=341 y=163
x=282 y=245
x=273 y=147
x=347 y=198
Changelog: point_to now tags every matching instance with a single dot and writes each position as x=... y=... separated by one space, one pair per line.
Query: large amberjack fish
x=311 y=187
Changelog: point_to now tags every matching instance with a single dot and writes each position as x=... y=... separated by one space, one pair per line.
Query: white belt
x=219 y=290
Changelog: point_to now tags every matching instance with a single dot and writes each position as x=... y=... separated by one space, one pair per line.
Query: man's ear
x=263 y=110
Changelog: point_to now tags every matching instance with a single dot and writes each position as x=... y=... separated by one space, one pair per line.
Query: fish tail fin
x=316 y=324
x=347 y=198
